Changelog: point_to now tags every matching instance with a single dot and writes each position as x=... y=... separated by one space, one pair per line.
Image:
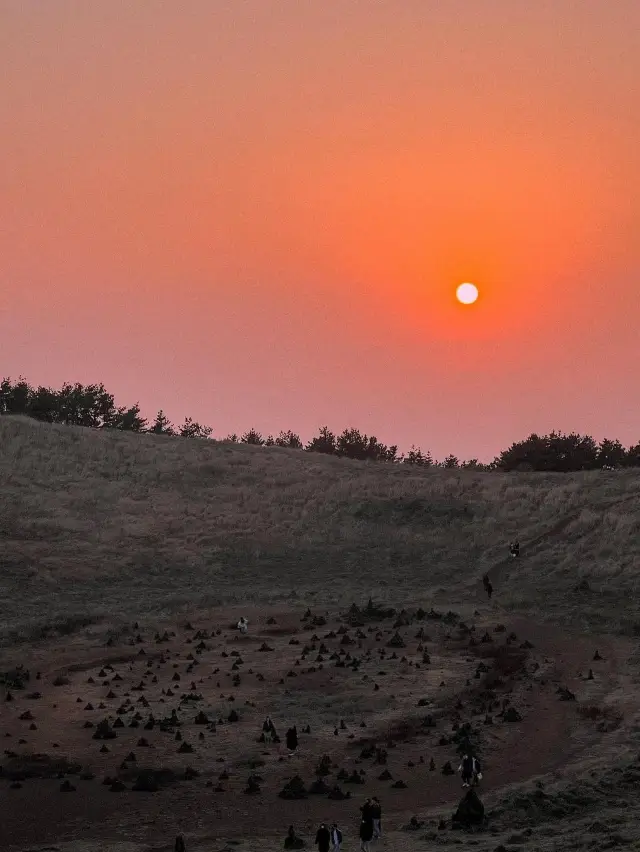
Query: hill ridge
x=95 y=523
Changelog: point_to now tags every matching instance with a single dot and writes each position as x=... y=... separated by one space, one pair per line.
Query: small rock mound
x=293 y=789
x=565 y=694
x=512 y=715
x=146 y=783
x=292 y=841
x=337 y=795
x=253 y=785
x=470 y=811
x=319 y=788
x=104 y=731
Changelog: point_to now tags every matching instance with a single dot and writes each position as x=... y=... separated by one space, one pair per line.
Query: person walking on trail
x=179 y=844
x=366 y=832
x=323 y=838
x=486 y=582
x=376 y=816
x=470 y=770
x=268 y=731
x=336 y=837
x=366 y=810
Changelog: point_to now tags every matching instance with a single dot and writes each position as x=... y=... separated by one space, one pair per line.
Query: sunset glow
x=257 y=213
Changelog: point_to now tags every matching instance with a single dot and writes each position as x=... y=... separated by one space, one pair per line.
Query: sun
x=467 y=294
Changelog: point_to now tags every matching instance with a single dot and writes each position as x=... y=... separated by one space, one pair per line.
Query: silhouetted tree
x=15 y=398
x=5 y=394
x=43 y=405
x=553 y=452
x=391 y=454
x=289 y=439
x=73 y=405
x=252 y=437
x=232 y=439
x=128 y=420
x=611 y=453
x=353 y=444
x=191 y=429
x=633 y=456
x=324 y=442
x=94 y=407
x=162 y=425
x=473 y=464
x=574 y=452
x=451 y=462
x=85 y=405
x=417 y=457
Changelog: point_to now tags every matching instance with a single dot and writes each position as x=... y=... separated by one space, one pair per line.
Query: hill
x=127 y=559
x=100 y=525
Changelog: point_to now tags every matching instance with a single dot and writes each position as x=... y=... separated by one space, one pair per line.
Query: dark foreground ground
x=389 y=701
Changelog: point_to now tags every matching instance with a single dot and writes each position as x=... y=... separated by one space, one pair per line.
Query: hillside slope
x=112 y=524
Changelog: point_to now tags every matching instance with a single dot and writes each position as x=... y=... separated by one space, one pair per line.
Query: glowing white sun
x=466 y=294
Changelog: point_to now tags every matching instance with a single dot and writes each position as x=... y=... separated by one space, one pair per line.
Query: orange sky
x=256 y=212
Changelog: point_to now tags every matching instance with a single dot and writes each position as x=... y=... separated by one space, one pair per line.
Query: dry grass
x=99 y=528
x=100 y=525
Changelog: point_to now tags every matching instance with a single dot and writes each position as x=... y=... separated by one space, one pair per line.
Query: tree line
x=94 y=407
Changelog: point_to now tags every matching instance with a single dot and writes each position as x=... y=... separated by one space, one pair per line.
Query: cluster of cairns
x=179 y=680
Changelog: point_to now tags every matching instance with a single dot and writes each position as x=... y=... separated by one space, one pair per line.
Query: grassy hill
x=104 y=525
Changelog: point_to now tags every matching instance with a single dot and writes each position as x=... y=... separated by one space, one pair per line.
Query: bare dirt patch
x=167 y=735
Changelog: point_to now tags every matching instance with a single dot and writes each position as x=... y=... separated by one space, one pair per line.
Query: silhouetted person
x=269 y=730
x=486 y=582
x=292 y=739
x=366 y=828
x=336 y=837
x=323 y=838
x=376 y=815
x=179 y=845
x=469 y=770
x=366 y=810
x=514 y=549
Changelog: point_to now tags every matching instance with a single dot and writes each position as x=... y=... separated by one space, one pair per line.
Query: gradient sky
x=256 y=213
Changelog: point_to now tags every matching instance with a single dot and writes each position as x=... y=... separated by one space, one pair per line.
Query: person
x=267 y=730
x=323 y=838
x=336 y=837
x=243 y=625
x=514 y=549
x=376 y=815
x=486 y=582
x=366 y=810
x=366 y=828
x=179 y=844
x=292 y=739
x=470 y=770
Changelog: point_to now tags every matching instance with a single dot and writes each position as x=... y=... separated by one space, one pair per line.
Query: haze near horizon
x=258 y=213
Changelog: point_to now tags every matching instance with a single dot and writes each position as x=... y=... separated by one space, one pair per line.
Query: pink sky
x=256 y=213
